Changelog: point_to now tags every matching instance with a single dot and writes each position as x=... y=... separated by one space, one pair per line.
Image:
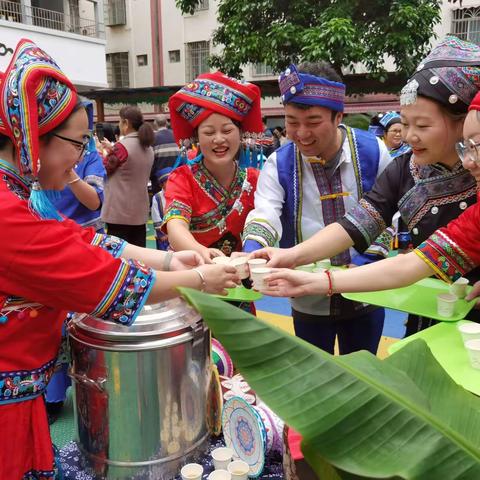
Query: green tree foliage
x=342 y=32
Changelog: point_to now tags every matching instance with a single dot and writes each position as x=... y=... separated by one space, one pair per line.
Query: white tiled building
x=71 y=31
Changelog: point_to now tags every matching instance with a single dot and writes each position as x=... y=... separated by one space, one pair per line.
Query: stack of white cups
x=225 y=467
x=258 y=271
x=471 y=339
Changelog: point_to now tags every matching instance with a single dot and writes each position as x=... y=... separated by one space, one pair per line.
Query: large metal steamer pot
x=140 y=391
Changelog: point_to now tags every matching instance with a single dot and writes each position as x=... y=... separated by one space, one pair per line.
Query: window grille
x=174 y=56
x=117 y=70
x=202 y=5
x=142 y=60
x=196 y=56
x=116 y=12
x=466 y=24
x=261 y=70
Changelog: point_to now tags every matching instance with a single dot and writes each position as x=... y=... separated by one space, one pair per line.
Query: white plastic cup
x=239 y=470
x=192 y=471
x=220 y=475
x=256 y=263
x=257 y=275
x=240 y=263
x=221 y=458
x=469 y=331
x=473 y=349
x=459 y=287
x=446 y=304
x=221 y=260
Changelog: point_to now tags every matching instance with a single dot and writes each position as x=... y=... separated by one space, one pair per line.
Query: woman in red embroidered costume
x=49 y=265
x=449 y=253
x=207 y=202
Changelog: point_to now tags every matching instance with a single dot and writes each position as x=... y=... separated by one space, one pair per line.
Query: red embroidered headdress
x=215 y=93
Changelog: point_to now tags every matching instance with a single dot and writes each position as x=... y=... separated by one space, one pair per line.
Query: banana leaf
x=360 y=417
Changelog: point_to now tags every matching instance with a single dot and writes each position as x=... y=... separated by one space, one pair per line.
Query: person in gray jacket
x=128 y=164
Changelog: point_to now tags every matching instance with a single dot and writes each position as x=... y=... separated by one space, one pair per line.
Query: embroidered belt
x=20 y=385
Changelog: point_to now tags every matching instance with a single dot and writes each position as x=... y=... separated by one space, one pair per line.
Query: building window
x=196 y=55
x=117 y=70
x=466 y=24
x=11 y=11
x=174 y=56
x=202 y=5
x=116 y=12
x=261 y=70
x=142 y=60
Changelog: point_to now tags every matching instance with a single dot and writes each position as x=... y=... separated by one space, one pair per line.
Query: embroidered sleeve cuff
x=364 y=224
x=95 y=181
x=382 y=245
x=127 y=293
x=261 y=232
x=176 y=210
x=110 y=243
x=444 y=257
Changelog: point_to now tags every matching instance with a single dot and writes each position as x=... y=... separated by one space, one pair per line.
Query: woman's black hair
x=135 y=118
x=4 y=141
x=109 y=132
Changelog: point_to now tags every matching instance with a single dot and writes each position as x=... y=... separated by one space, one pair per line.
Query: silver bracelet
x=202 y=278
x=167 y=260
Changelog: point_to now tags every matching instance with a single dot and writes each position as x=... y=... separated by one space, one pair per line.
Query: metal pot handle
x=198 y=331
x=99 y=384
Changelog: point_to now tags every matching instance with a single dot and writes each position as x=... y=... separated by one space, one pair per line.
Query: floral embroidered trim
x=19 y=385
x=430 y=191
x=352 y=141
x=332 y=203
x=441 y=201
x=15 y=183
x=381 y=245
x=178 y=210
x=228 y=201
x=260 y=231
x=95 y=181
x=444 y=256
x=207 y=182
x=127 y=294
x=298 y=194
x=110 y=243
x=365 y=217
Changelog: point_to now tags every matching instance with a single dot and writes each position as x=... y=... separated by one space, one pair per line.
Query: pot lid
x=166 y=319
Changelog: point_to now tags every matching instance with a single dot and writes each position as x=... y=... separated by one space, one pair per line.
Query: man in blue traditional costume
x=311 y=182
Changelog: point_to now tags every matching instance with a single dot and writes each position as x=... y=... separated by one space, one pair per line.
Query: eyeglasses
x=79 y=146
x=468 y=151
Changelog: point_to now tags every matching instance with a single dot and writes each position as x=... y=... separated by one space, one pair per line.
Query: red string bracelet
x=330 y=283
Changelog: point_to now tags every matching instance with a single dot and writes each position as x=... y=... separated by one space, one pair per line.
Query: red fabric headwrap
x=475 y=103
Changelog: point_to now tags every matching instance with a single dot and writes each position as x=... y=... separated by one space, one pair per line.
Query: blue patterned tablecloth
x=74 y=464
